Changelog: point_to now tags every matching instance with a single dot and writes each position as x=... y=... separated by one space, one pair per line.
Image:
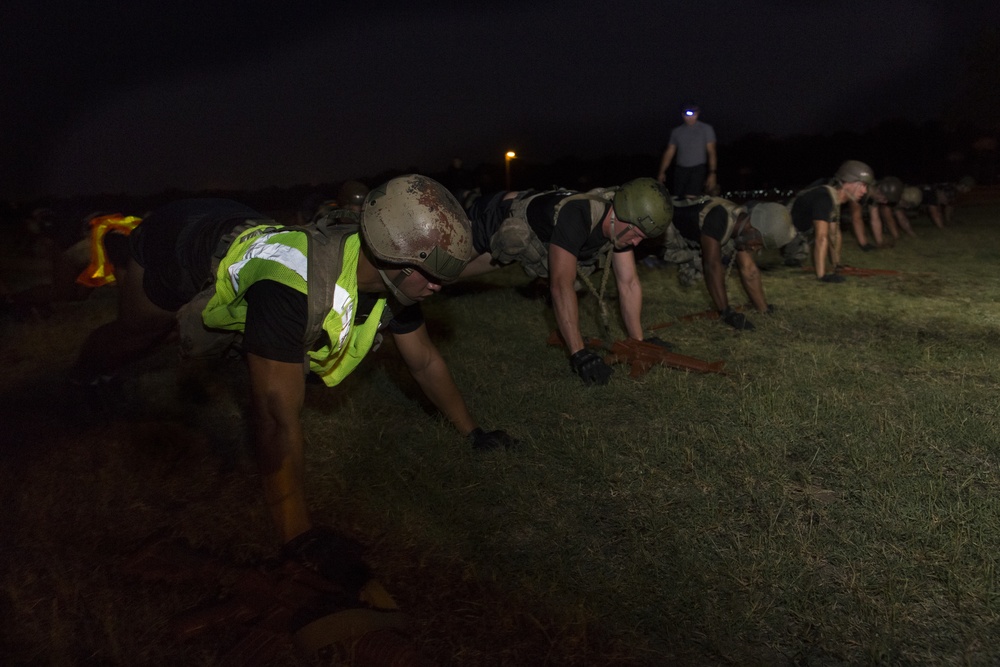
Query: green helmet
x=855 y=170
x=414 y=221
x=645 y=203
x=773 y=221
x=891 y=188
x=352 y=193
x=911 y=196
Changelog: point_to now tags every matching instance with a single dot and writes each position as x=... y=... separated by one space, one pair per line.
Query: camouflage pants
x=796 y=251
x=686 y=255
x=515 y=241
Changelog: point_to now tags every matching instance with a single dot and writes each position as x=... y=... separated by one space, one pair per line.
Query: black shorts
x=175 y=245
x=689 y=180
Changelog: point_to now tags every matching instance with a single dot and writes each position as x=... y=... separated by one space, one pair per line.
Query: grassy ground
x=829 y=501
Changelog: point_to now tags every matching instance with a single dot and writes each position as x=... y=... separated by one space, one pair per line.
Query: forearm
x=668 y=156
x=630 y=304
x=752 y=283
x=439 y=387
x=282 y=466
x=566 y=307
x=715 y=282
x=277 y=391
x=819 y=254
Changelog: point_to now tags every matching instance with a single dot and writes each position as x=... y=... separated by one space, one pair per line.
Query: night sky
x=139 y=97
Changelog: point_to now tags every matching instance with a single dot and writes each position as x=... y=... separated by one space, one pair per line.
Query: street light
x=508 y=156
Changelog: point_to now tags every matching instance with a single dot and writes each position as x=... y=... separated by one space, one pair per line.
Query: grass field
x=830 y=501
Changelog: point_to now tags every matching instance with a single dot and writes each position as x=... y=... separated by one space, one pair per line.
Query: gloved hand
x=590 y=367
x=331 y=555
x=833 y=278
x=656 y=340
x=483 y=441
x=735 y=319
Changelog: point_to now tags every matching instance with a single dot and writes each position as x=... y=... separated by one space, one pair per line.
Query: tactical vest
x=733 y=211
x=515 y=240
x=325 y=270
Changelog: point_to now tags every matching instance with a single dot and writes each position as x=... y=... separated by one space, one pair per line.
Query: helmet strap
x=393 y=285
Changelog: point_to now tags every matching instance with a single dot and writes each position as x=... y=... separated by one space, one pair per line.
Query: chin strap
x=393 y=285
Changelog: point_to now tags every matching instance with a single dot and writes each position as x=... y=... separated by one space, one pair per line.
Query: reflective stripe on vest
x=282 y=256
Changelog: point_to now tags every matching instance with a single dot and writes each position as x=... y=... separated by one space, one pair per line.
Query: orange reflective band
x=101 y=271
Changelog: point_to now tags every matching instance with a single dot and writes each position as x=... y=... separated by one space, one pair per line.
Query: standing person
x=816 y=213
x=295 y=300
x=705 y=231
x=559 y=234
x=693 y=144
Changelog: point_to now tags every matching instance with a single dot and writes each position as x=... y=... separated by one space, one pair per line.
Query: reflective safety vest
x=318 y=261
x=101 y=271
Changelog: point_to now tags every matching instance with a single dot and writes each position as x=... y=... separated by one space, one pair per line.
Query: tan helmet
x=352 y=193
x=645 y=203
x=773 y=221
x=414 y=221
x=911 y=196
x=855 y=170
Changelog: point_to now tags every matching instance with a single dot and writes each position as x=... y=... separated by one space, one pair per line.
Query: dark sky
x=139 y=97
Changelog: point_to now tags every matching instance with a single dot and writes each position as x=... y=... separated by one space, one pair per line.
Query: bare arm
x=710 y=180
x=629 y=292
x=562 y=275
x=431 y=372
x=277 y=391
x=836 y=244
x=857 y=223
x=821 y=246
x=715 y=273
x=750 y=277
x=668 y=156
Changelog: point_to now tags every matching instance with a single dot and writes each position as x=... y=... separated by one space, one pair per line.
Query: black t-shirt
x=814 y=204
x=277 y=315
x=686 y=222
x=572 y=231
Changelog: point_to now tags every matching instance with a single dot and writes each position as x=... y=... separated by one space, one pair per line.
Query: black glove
x=833 y=278
x=483 y=441
x=656 y=340
x=590 y=367
x=331 y=555
x=736 y=319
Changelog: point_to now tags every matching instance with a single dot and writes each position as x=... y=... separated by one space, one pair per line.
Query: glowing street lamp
x=508 y=156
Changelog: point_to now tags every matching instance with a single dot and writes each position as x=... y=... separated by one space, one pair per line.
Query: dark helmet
x=645 y=203
x=891 y=188
x=414 y=221
x=853 y=171
x=352 y=193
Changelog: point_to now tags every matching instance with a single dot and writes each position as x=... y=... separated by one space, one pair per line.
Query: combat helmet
x=891 y=188
x=855 y=170
x=413 y=221
x=911 y=196
x=773 y=221
x=645 y=203
x=352 y=193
